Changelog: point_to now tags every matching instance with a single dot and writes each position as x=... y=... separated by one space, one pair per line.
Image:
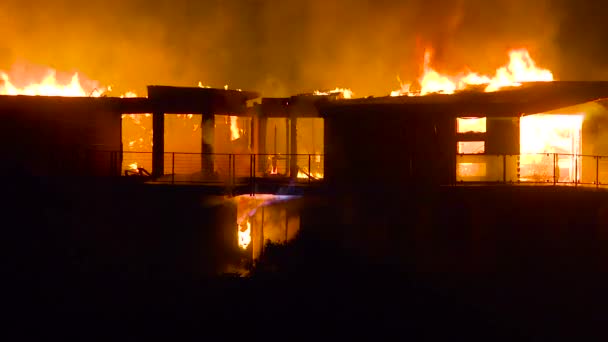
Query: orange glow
x=466 y=170
x=520 y=68
x=314 y=175
x=345 y=93
x=543 y=135
x=471 y=147
x=471 y=125
x=47 y=86
x=244 y=235
x=235 y=133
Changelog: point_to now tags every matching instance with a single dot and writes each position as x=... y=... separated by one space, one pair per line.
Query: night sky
x=287 y=47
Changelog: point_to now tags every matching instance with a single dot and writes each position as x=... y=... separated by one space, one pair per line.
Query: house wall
x=370 y=149
x=60 y=140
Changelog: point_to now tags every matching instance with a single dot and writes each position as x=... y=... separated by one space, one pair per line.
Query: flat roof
x=530 y=98
x=163 y=99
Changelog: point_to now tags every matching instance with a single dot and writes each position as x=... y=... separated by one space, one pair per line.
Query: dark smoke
x=288 y=47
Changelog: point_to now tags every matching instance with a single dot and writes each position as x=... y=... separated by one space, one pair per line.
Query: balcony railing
x=245 y=169
x=539 y=169
x=221 y=168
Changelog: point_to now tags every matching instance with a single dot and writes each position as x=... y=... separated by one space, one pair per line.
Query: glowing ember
x=346 y=93
x=244 y=234
x=133 y=166
x=521 y=68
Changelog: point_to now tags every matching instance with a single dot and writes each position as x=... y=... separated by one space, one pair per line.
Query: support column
x=208 y=136
x=293 y=148
x=260 y=138
x=158 y=144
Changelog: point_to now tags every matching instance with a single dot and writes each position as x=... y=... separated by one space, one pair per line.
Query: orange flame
x=346 y=93
x=244 y=235
x=235 y=133
x=521 y=68
x=48 y=86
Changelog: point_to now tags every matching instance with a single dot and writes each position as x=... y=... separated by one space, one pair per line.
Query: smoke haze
x=286 y=47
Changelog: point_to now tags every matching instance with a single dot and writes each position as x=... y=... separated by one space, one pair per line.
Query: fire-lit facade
x=465 y=137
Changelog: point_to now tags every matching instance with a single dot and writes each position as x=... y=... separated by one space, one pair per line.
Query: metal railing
x=226 y=168
x=250 y=169
x=539 y=168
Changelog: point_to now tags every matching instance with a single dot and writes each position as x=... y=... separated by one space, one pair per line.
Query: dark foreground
x=55 y=286
x=327 y=300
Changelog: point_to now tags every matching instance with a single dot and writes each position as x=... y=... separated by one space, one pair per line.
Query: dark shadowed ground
x=76 y=269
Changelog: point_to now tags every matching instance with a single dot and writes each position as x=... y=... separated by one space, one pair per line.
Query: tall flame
x=244 y=234
x=235 y=133
x=521 y=68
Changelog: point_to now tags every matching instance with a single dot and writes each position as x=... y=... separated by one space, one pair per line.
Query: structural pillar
x=158 y=144
x=260 y=148
x=208 y=136
x=293 y=148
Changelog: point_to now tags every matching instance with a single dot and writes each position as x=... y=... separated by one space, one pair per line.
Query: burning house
x=505 y=129
x=444 y=139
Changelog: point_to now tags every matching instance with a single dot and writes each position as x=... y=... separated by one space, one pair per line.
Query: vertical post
x=597 y=171
x=261 y=140
x=234 y=169
x=576 y=170
x=251 y=171
x=554 y=166
x=208 y=136
x=293 y=162
x=504 y=168
x=287 y=147
x=286 y=224
x=262 y=234
x=158 y=144
x=173 y=168
x=229 y=178
x=309 y=169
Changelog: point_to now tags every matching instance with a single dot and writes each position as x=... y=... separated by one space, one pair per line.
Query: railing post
x=504 y=169
x=309 y=169
x=554 y=166
x=251 y=166
x=575 y=170
x=234 y=169
x=229 y=178
x=172 y=167
x=597 y=172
